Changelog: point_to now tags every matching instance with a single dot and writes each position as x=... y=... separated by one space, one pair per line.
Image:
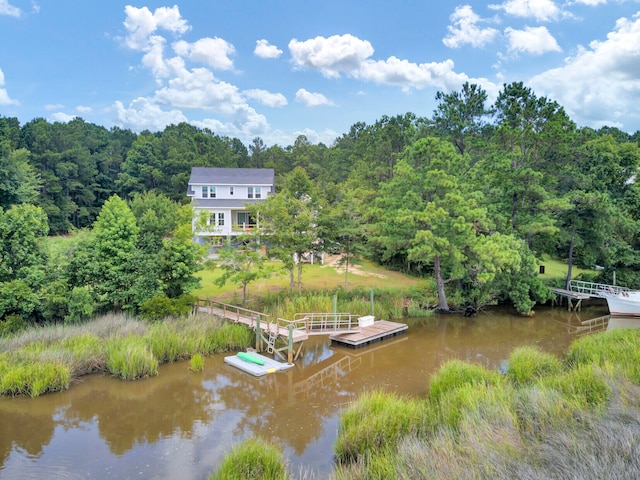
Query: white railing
x=326 y=323
x=596 y=289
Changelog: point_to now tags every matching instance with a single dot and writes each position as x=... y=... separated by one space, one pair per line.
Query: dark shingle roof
x=231 y=176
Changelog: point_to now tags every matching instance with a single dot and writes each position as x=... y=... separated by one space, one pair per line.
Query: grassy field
x=314 y=278
x=328 y=277
x=557 y=269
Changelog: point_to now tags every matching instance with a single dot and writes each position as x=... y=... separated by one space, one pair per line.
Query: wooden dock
x=380 y=330
x=574 y=299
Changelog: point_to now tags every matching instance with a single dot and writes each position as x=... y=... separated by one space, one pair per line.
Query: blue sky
x=279 y=69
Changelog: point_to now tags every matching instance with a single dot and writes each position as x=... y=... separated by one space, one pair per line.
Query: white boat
x=624 y=303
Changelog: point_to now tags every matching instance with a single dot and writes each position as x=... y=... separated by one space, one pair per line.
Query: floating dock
x=380 y=330
x=269 y=366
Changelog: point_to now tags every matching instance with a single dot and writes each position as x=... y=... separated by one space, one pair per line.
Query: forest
x=469 y=198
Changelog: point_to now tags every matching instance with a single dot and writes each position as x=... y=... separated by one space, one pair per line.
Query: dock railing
x=326 y=323
x=596 y=289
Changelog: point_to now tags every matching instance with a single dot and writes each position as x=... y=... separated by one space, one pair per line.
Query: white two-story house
x=220 y=196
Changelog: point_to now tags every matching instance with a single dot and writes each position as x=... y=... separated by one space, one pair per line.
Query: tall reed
x=130 y=358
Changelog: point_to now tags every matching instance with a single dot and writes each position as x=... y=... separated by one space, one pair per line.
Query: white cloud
x=311 y=99
x=53 y=106
x=142 y=114
x=599 y=84
x=349 y=55
x=541 y=10
x=591 y=3
x=141 y=24
x=247 y=125
x=533 y=40
x=407 y=75
x=326 y=136
x=61 y=117
x=214 y=52
x=331 y=56
x=465 y=30
x=7 y=9
x=4 y=95
x=266 y=98
x=83 y=109
x=265 y=50
x=199 y=89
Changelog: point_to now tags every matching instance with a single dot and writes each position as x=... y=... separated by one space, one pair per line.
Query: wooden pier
x=579 y=291
x=280 y=335
x=380 y=330
x=574 y=299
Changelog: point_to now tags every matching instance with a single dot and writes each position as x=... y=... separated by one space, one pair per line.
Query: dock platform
x=380 y=330
x=270 y=365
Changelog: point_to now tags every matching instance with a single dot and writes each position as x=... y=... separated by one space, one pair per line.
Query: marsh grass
x=585 y=384
x=130 y=358
x=388 y=304
x=253 y=459
x=48 y=359
x=542 y=419
x=619 y=348
x=33 y=379
x=377 y=421
x=455 y=374
x=528 y=364
x=196 y=364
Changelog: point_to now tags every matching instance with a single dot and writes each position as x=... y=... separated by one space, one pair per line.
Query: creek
x=180 y=424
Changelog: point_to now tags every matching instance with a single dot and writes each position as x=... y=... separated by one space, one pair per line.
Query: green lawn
x=314 y=277
x=557 y=269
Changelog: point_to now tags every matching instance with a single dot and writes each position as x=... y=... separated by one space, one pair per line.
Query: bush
x=252 y=459
x=80 y=305
x=160 y=307
x=12 y=324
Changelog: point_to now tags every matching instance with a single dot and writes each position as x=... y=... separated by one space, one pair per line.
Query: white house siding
x=224 y=181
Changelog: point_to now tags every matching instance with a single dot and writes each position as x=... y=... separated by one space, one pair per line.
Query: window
x=249 y=192
x=220 y=219
x=208 y=192
x=258 y=192
x=230 y=190
x=243 y=218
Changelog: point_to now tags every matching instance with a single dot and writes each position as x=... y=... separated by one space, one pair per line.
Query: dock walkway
x=579 y=291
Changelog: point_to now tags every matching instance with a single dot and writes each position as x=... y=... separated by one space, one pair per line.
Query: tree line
x=469 y=197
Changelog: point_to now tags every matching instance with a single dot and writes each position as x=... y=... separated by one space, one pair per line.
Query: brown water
x=180 y=424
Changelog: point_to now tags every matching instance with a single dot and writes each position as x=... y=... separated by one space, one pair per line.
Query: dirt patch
x=333 y=260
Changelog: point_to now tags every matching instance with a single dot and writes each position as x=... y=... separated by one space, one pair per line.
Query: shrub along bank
x=48 y=359
x=544 y=418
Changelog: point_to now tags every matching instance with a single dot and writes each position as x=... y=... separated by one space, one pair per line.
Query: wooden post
x=258 y=334
x=290 y=352
x=371 y=295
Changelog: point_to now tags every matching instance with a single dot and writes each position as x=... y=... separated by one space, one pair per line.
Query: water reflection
x=180 y=424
